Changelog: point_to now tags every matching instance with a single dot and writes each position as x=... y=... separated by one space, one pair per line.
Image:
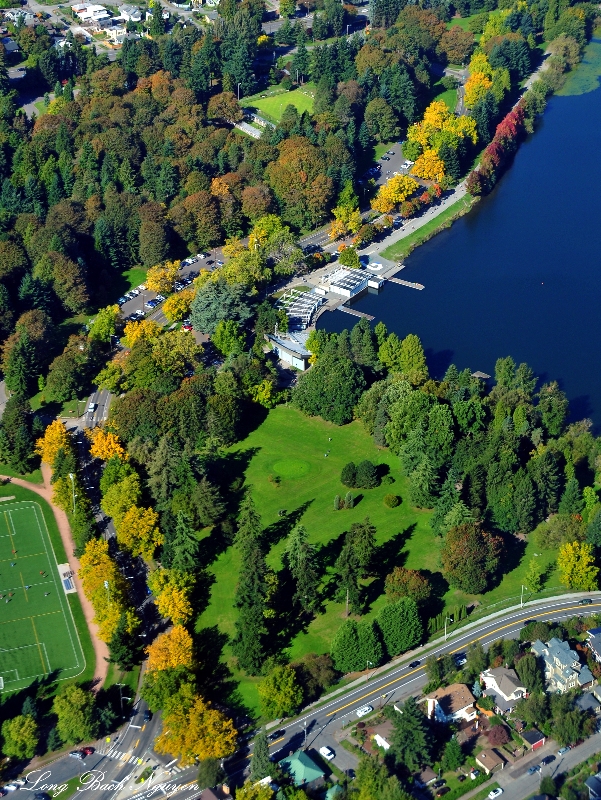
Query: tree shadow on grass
x=511 y=556
x=202 y=590
x=387 y=556
x=213 y=674
x=279 y=529
x=228 y=471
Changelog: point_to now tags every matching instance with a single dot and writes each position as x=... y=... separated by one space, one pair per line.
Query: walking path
x=101 y=650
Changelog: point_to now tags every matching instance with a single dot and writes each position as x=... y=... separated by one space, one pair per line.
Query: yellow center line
x=23 y=584
x=37 y=641
x=137 y=743
x=463 y=645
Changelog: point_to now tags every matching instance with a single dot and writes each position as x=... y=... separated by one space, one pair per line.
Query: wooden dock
x=410 y=284
x=355 y=313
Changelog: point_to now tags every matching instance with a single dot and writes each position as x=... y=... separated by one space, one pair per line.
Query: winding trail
x=101 y=650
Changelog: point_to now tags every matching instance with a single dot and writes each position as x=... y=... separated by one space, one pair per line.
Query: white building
x=291 y=349
x=347 y=282
x=90 y=12
x=563 y=670
x=14 y=14
x=164 y=13
x=504 y=687
x=130 y=13
x=451 y=704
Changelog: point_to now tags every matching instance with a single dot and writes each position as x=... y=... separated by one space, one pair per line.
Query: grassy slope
x=292 y=446
x=273 y=106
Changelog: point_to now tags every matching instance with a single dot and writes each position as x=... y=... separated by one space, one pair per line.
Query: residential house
x=424 y=778
x=563 y=670
x=451 y=704
x=593 y=784
x=594 y=642
x=504 y=688
x=490 y=761
x=381 y=735
x=10 y=46
x=164 y=14
x=533 y=739
x=91 y=13
x=130 y=13
x=15 y=14
x=589 y=702
x=303 y=770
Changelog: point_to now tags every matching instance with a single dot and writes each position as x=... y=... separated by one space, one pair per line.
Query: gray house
x=563 y=670
x=593 y=785
x=291 y=349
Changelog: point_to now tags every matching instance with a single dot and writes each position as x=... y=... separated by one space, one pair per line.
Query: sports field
x=272 y=106
x=37 y=631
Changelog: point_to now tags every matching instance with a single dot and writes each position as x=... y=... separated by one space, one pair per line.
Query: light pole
x=447 y=619
x=121 y=696
x=73 y=489
x=305 y=726
x=347 y=27
x=239 y=85
x=368 y=664
x=522 y=596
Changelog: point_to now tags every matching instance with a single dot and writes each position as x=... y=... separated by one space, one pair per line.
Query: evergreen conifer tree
x=412 y=741
x=185 y=545
x=260 y=764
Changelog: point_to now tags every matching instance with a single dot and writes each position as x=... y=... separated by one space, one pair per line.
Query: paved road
x=324 y=723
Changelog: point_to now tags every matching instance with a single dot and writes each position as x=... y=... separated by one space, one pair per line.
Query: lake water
x=520 y=275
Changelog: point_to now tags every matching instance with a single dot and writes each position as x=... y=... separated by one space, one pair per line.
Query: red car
x=87 y=751
x=187 y=327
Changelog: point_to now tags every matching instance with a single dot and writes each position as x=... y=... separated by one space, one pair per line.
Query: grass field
x=38 y=631
x=272 y=106
x=449 y=96
x=291 y=447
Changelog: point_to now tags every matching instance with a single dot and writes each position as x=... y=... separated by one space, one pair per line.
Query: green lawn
x=290 y=446
x=403 y=247
x=449 y=96
x=272 y=106
x=463 y=22
x=32 y=477
x=134 y=277
x=42 y=630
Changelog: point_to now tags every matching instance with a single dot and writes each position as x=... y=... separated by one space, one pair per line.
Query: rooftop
x=301 y=768
x=347 y=278
x=588 y=702
x=490 y=759
x=453 y=698
x=506 y=679
x=532 y=737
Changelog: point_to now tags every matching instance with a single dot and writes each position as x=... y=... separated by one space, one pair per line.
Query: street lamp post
x=368 y=665
x=447 y=619
x=522 y=596
x=305 y=726
x=347 y=27
x=239 y=85
x=73 y=489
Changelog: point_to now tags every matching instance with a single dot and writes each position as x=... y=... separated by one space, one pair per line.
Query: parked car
x=586 y=601
x=535 y=768
x=41 y=796
x=461 y=778
x=438 y=784
x=220 y=263
x=20 y=781
x=91 y=408
x=11 y=787
x=474 y=774
x=460 y=659
x=151 y=303
x=202 y=255
x=276 y=735
x=361 y=712
x=326 y=753
x=385 y=158
x=87 y=751
x=187 y=327
x=414 y=664
x=563 y=750
x=121 y=301
x=159 y=298
x=77 y=754
x=147 y=715
x=547 y=760
x=390 y=152
x=495 y=793
x=442 y=791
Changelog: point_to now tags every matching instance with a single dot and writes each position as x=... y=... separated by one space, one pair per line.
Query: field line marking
x=61 y=595
x=8 y=521
x=37 y=641
x=23 y=584
x=32 y=555
x=22 y=619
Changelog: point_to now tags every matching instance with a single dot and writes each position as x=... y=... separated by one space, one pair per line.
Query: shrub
x=391 y=500
x=349 y=500
x=498 y=734
x=387 y=480
x=337 y=503
x=367 y=475
x=348 y=476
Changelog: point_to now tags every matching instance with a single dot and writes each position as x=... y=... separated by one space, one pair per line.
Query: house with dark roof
x=594 y=642
x=451 y=703
x=533 y=739
x=563 y=670
x=593 y=784
x=588 y=702
x=425 y=777
x=503 y=687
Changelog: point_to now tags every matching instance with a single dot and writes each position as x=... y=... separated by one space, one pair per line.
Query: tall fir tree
x=185 y=545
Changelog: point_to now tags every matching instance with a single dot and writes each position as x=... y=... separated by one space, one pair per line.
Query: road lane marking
x=137 y=743
x=456 y=650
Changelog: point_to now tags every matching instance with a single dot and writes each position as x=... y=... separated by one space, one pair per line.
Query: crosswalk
x=130 y=758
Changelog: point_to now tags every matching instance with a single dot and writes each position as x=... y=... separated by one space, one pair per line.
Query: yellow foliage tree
x=349 y=217
x=476 y=87
x=55 y=438
x=105 y=445
x=162 y=277
x=576 y=564
x=233 y=247
x=120 y=497
x=174 y=351
x=397 y=189
x=104 y=586
x=262 y=393
x=137 y=531
x=174 y=603
x=219 y=187
x=337 y=229
x=480 y=63
x=145 y=329
x=255 y=791
x=429 y=166
x=177 y=307
x=193 y=730
x=171 y=650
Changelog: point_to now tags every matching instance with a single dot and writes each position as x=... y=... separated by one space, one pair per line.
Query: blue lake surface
x=521 y=274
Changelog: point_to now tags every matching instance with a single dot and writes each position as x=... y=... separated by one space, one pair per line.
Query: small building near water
x=347 y=282
x=291 y=349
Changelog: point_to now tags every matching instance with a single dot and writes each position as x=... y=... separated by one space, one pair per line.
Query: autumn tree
x=402 y=582
x=576 y=564
x=280 y=694
x=20 y=736
x=470 y=556
x=105 y=444
x=138 y=532
x=105 y=587
x=172 y=590
x=393 y=192
x=161 y=277
x=177 y=306
x=104 y=324
x=171 y=650
x=193 y=730
x=55 y=438
x=225 y=106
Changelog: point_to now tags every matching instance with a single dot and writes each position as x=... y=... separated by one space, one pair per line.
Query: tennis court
x=37 y=631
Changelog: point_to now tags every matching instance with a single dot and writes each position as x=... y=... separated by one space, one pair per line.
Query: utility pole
x=522 y=596
x=368 y=663
x=239 y=85
x=450 y=619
